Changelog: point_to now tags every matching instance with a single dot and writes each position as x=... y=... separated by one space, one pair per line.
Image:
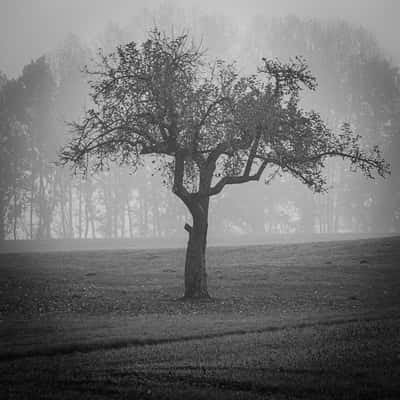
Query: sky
x=30 y=28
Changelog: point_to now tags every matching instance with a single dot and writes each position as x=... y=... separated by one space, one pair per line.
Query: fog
x=351 y=47
x=31 y=28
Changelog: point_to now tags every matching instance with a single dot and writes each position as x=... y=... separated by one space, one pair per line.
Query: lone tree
x=208 y=126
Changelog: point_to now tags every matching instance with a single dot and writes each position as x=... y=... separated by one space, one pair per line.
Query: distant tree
x=39 y=88
x=13 y=152
x=208 y=126
x=71 y=95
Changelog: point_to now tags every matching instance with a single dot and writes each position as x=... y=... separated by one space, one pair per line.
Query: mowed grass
x=317 y=320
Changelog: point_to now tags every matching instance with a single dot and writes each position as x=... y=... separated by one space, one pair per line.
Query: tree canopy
x=164 y=98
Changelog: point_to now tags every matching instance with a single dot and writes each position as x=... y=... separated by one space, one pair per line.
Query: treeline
x=40 y=199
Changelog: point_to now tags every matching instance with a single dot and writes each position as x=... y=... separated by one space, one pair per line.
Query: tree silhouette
x=207 y=127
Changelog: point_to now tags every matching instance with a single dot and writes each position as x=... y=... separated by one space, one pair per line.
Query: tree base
x=202 y=298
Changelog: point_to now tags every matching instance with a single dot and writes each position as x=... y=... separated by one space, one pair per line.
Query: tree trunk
x=86 y=216
x=130 y=219
x=15 y=216
x=70 y=212
x=62 y=209
x=41 y=207
x=31 y=197
x=80 y=210
x=2 y=220
x=195 y=266
x=92 y=221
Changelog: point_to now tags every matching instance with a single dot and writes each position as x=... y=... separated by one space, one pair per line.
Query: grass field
x=311 y=321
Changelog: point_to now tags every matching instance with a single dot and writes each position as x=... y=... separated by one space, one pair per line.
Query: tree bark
x=195 y=265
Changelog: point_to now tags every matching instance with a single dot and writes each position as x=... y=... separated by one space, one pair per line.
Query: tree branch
x=233 y=180
x=252 y=153
x=214 y=154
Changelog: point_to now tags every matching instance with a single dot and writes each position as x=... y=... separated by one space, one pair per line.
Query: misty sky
x=30 y=28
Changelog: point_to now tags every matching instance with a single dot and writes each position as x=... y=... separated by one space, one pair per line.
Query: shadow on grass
x=120 y=343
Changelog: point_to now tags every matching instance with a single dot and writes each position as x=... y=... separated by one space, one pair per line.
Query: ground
x=311 y=321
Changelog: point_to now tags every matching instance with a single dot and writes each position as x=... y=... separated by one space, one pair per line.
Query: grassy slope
x=305 y=320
